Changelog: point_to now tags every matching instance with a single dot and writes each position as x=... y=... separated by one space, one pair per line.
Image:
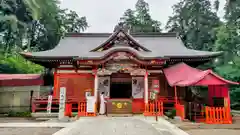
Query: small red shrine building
x=125 y=67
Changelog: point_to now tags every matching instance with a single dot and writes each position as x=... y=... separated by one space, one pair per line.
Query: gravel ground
x=213 y=132
x=17 y=120
x=210 y=129
x=28 y=131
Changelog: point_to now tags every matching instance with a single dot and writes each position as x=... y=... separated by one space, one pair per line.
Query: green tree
x=40 y=24
x=195 y=22
x=139 y=20
x=33 y=25
x=228 y=40
x=46 y=32
x=72 y=23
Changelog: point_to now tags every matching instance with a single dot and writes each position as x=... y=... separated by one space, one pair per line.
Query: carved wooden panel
x=119 y=106
x=76 y=85
x=121 y=77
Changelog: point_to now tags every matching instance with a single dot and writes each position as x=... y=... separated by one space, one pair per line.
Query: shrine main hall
x=131 y=69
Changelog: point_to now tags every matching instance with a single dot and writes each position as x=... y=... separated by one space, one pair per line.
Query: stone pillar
x=146 y=88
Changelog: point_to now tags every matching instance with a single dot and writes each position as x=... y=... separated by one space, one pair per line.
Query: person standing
x=102 y=104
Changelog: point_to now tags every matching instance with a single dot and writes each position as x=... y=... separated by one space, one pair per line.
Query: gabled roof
x=145 y=46
x=114 y=35
x=183 y=75
x=160 y=45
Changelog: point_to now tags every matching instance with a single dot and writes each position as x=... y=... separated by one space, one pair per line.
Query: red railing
x=72 y=105
x=40 y=104
x=82 y=109
x=218 y=115
x=168 y=102
x=153 y=108
x=166 y=99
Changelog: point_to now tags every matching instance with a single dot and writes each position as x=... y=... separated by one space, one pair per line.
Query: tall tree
x=228 y=40
x=140 y=20
x=195 y=22
x=72 y=23
x=229 y=33
x=33 y=25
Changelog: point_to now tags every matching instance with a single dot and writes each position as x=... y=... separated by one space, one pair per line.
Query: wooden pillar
x=146 y=88
x=175 y=94
x=95 y=85
x=55 y=83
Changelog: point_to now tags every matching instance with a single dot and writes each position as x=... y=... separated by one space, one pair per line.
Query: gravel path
x=17 y=120
x=210 y=129
x=28 y=131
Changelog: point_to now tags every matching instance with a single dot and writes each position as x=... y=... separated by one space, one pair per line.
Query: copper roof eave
x=102 y=58
x=216 y=54
x=30 y=56
x=115 y=34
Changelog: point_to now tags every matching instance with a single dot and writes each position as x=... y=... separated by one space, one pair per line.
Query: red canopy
x=183 y=75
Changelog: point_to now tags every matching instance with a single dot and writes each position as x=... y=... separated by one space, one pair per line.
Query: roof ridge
x=138 y=34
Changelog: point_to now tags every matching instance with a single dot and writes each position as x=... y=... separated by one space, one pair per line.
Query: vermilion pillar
x=175 y=94
x=55 y=83
x=95 y=85
x=146 y=88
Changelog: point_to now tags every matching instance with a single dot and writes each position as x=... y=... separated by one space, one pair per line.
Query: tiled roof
x=20 y=79
x=160 y=45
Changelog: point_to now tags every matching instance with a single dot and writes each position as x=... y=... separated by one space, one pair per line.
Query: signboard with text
x=91 y=104
x=62 y=100
x=49 y=105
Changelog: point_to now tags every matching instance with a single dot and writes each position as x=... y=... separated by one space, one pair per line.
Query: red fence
x=218 y=115
x=71 y=106
x=40 y=104
x=154 y=108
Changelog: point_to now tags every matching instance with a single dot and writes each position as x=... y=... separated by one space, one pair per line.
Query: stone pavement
x=137 y=125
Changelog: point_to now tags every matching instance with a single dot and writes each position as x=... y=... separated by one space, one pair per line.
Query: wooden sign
x=91 y=104
x=49 y=105
x=62 y=100
x=119 y=106
x=155 y=86
x=138 y=72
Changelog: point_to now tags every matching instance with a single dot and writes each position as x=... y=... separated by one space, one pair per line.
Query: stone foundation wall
x=17 y=98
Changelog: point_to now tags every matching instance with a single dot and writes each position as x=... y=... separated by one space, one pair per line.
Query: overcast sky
x=103 y=15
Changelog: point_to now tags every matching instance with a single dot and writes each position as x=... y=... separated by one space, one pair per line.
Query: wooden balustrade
x=153 y=108
x=40 y=104
x=218 y=115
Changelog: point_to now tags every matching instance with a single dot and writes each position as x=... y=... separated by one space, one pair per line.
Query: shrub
x=19 y=114
x=171 y=113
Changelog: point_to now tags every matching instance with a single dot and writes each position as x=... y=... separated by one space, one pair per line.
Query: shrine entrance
x=121 y=86
x=121 y=90
x=120 y=102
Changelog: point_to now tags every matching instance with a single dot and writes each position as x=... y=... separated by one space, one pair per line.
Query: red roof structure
x=20 y=79
x=183 y=75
